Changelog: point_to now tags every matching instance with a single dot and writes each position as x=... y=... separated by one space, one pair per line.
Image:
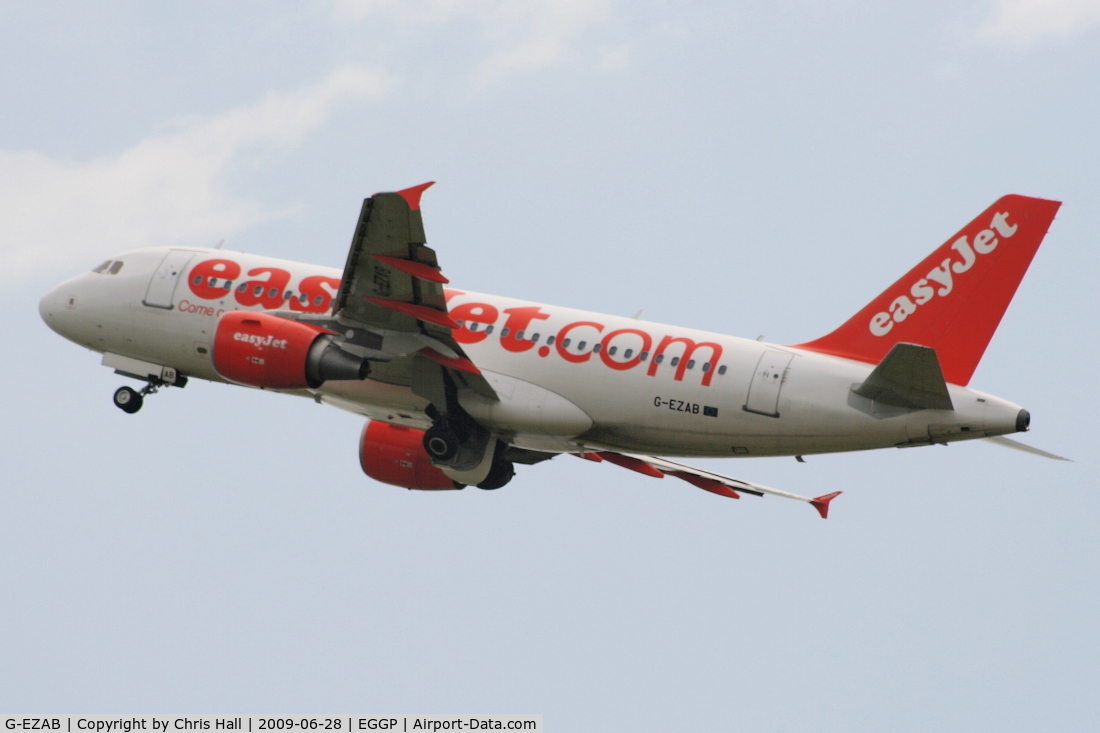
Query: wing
x=715 y=483
x=392 y=290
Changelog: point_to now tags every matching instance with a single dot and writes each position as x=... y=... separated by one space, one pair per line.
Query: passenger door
x=162 y=286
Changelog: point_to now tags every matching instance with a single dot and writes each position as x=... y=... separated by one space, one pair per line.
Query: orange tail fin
x=955 y=298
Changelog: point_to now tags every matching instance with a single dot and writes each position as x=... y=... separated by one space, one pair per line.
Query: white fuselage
x=567 y=380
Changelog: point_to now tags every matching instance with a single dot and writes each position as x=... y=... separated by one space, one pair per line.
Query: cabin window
x=318 y=300
x=659 y=358
x=596 y=348
x=258 y=290
x=489 y=328
x=706 y=367
x=581 y=345
x=565 y=343
x=273 y=293
x=228 y=285
x=213 y=281
x=611 y=351
x=288 y=295
x=303 y=298
x=534 y=338
x=197 y=280
x=116 y=267
x=691 y=363
x=675 y=360
x=550 y=340
x=242 y=288
x=504 y=333
x=626 y=354
x=473 y=325
x=519 y=335
x=643 y=356
x=722 y=369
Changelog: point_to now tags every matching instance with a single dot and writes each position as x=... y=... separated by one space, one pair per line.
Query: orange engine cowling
x=395 y=455
x=262 y=350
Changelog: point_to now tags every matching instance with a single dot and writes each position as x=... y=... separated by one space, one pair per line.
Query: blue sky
x=749 y=168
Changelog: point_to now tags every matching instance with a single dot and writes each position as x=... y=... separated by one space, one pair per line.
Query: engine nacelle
x=395 y=455
x=262 y=350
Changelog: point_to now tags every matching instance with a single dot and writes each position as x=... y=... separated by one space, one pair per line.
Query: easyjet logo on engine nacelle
x=924 y=290
x=261 y=341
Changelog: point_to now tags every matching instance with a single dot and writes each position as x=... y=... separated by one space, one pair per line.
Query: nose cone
x=49 y=306
x=58 y=309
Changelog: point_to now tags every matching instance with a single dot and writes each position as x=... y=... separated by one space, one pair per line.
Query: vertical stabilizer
x=954 y=299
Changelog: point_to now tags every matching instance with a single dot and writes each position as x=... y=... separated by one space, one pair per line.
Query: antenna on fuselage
x=219 y=244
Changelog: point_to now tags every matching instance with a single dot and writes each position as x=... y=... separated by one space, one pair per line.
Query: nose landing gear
x=130 y=400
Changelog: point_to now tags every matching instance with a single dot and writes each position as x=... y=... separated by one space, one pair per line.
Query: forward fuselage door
x=162 y=287
x=766 y=382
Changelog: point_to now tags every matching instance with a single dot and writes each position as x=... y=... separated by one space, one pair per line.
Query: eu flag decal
x=710 y=411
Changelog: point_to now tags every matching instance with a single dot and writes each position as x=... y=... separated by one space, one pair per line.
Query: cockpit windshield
x=110 y=267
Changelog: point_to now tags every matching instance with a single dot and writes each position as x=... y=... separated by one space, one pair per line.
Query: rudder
x=955 y=298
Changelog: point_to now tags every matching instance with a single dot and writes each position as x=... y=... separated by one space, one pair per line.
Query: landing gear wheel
x=440 y=442
x=499 y=475
x=128 y=400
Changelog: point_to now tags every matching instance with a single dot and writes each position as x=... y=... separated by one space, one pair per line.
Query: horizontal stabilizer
x=1016 y=445
x=909 y=376
x=715 y=483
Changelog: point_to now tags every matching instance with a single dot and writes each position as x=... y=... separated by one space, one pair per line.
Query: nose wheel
x=128 y=400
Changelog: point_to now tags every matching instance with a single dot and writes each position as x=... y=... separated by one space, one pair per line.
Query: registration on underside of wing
x=715 y=483
x=392 y=285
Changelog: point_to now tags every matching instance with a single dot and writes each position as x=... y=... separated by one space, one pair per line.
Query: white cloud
x=167 y=189
x=1029 y=21
x=524 y=34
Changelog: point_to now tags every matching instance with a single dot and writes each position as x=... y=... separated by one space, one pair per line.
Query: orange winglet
x=588 y=456
x=461 y=363
x=821 y=503
x=420 y=312
x=706 y=484
x=412 y=195
x=633 y=464
x=416 y=269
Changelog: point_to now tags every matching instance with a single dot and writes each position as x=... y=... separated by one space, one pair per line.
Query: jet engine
x=262 y=350
x=395 y=455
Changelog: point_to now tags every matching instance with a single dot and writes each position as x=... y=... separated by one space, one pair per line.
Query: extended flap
x=909 y=376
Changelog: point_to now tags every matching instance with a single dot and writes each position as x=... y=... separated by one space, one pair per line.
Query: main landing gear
x=456 y=443
x=499 y=475
x=441 y=442
x=447 y=446
x=130 y=400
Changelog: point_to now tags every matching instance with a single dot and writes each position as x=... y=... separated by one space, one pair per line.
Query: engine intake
x=395 y=455
x=262 y=350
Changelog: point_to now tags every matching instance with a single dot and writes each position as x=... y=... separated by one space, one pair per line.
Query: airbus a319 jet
x=458 y=387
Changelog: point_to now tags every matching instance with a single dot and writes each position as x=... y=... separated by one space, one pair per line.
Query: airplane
x=458 y=387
